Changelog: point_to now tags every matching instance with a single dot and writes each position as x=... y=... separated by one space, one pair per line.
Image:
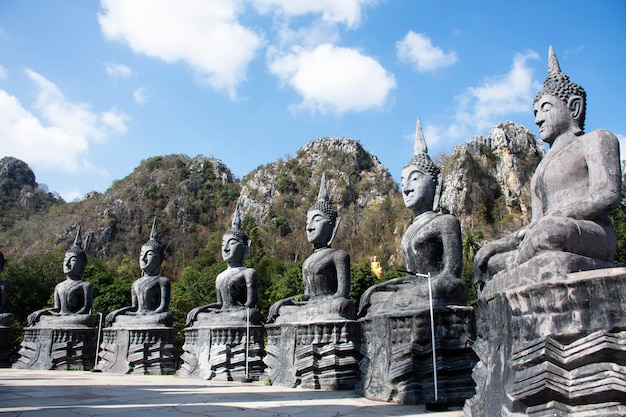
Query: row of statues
x=573 y=190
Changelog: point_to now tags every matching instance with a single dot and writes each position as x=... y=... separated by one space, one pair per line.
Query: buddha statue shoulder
x=150 y=294
x=73 y=297
x=431 y=245
x=326 y=273
x=236 y=287
x=574 y=188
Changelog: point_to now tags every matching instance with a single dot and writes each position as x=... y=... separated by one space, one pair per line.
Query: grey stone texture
x=313 y=341
x=550 y=317
x=63 y=337
x=224 y=340
x=140 y=337
x=396 y=343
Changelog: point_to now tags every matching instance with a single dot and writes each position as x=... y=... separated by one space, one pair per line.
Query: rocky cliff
x=487 y=180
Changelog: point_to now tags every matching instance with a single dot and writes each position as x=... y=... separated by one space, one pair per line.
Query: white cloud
x=482 y=107
x=118 y=70
x=3 y=73
x=59 y=135
x=418 y=50
x=348 y=12
x=202 y=34
x=335 y=79
x=140 y=96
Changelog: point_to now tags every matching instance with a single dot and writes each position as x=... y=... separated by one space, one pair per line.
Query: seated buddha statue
x=573 y=189
x=236 y=288
x=5 y=292
x=150 y=294
x=431 y=245
x=326 y=273
x=73 y=297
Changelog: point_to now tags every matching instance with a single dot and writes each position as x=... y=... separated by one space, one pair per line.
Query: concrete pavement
x=26 y=393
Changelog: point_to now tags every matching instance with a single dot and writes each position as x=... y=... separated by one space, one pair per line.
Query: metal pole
x=98 y=342
x=247 y=338
x=432 y=334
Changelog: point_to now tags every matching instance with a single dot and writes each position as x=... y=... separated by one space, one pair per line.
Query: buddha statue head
x=152 y=253
x=421 y=178
x=560 y=105
x=322 y=220
x=235 y=243
x=75 y=259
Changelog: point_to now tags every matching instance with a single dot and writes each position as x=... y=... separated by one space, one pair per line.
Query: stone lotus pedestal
x=397 y=364
x=6 y=345
x=51 y=348
x=145 y=350
x=320 y=355
x=552 y=348
x=219 y=352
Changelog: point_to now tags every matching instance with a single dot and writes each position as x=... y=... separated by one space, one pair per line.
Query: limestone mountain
x=20 y=194
x=277 y=195
x=487 y=180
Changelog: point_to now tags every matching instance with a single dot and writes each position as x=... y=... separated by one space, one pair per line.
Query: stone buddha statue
x=431 y=244
x=236 y=287
x=326 y=273
x=573 y=189
x=5 y=293
x=150 y=294
x=73 y=297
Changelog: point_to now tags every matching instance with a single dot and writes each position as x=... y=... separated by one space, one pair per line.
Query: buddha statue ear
x=246 y=250
x=438 y=187
x=337 y=221
x=576 y=106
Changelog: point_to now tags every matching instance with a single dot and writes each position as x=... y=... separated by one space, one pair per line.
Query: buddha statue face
x=149 y=260
x=319 y=228
x=418 y=189
x=553 y=117
x=73 y=265
x=233 y=250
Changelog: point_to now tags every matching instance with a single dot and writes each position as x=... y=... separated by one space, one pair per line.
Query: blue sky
x=88 y=89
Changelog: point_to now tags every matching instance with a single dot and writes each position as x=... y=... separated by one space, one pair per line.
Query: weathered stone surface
x=321 y=355
x=553 y=348
x=551 y=340
x=137 y=350
x=71 y=348
x=223 y=353
x=395 y=323
x=397 y=363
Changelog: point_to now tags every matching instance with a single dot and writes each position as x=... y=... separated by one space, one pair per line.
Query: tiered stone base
x=557 y=348
x=397 y=364
x=49 y=349
x=136 y=350
x=6 y=346
x=213 y=352
x=315 y=355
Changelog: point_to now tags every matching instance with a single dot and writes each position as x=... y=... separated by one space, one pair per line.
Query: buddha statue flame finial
x=236 y=229
x=153 y=242
x=323 y=203
x=553 y=63
x=420 y=143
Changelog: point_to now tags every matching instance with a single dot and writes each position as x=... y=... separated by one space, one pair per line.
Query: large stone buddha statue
x=326 y=273
x=73 y=297
x=5 y=292
x=150 y=294
x=236 y=287
x=573 y=189
x=431 y=244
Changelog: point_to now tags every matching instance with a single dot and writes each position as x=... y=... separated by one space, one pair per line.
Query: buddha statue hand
x=193 y=314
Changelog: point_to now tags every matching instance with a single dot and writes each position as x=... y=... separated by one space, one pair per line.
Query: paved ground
x=86 y=394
